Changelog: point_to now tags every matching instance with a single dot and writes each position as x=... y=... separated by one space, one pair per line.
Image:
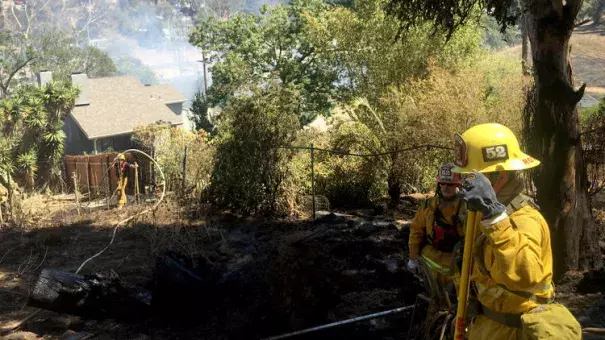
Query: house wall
x=177 y=108
x=116 y=143
x=78 y=144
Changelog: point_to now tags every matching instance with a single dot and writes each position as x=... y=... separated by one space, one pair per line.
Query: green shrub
x=168 y=144
x=250 y=165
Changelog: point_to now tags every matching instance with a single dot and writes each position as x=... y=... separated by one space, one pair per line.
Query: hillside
x=588 y=60
x=588 y=57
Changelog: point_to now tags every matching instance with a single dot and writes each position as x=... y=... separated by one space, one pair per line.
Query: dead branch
x=582 y=23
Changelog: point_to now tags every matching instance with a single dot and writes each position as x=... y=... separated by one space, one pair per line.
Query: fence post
x=107 y=174
x=152 y=169
x=10 y=195
x=185 y=168
x=136 y=184
x=76 y=191
x=88 y=173
x=313 y=178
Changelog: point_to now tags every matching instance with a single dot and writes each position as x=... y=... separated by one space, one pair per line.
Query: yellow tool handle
x=469 y=242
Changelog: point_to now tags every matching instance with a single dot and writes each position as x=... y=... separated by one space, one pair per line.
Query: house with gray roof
x=108 y=109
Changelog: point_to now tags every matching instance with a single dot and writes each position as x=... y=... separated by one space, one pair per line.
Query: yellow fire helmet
x=121 y=157
x=490 y=148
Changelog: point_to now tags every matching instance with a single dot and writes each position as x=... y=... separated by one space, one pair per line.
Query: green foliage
x=199 y=113
x=129 y=66
x=58 y=53
x=592 y=122
x=169 y=145
x=352 y=180
x=272 y=46
x=431 y=110
x=494 y=39
x=250 y=167
x=451 y=15
x=360 y=44
x=31 y=121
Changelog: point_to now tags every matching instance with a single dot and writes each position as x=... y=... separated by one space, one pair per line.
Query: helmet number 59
x=495 y=153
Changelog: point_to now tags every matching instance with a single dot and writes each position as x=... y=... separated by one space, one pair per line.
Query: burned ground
x=258 y=278
x=262 y=277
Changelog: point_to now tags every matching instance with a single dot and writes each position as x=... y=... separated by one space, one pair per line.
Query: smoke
x=158 y=36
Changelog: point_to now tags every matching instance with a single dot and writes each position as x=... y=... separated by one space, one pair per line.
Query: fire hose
x=163 y=184
x=343 y=322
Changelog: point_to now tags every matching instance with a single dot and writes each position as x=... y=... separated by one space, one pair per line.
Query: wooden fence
x=94 y=176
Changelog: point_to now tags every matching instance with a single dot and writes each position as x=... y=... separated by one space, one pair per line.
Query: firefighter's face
x=448 y=190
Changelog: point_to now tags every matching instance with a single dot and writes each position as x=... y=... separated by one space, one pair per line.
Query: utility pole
x=205 y=74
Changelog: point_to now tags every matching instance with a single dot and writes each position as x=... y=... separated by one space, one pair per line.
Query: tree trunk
x=394 y=189
x=393 y=183
x=561 y=179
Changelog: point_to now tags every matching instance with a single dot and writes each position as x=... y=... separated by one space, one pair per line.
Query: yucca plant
x=58 y=99
x=31 y=124
x=27 y=163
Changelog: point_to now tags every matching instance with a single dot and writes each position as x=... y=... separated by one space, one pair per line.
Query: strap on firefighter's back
x=434 y=266
x=507 y=319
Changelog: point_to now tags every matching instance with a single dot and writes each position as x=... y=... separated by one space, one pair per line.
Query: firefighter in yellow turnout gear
x=512 y=271
x=436 y=230
x=122 y=168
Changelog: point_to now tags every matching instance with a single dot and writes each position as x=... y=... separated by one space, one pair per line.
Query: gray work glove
x=414 y=267
x=477 y=191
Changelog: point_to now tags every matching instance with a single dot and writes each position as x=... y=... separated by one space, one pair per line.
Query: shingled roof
x=166 y=94
x=119 y=104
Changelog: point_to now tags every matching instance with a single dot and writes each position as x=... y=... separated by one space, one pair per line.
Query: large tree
x=561 y=180
x=253 y=49
x=58 y=53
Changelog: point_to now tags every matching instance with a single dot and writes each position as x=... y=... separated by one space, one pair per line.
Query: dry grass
x=588 y=58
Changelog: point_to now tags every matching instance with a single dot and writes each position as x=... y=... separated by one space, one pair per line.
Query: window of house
x=107 y=144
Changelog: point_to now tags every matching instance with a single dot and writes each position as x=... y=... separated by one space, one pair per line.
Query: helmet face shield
x=461 y=151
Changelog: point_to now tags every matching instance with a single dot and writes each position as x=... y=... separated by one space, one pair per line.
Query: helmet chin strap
x=498 y=180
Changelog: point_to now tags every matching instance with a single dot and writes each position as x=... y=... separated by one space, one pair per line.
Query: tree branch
x=581 y=23
x=14 y=15
x=12 y=74
x=579 y=94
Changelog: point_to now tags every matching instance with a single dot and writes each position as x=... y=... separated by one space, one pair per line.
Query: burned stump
x=95 y=296
x=181 y=287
